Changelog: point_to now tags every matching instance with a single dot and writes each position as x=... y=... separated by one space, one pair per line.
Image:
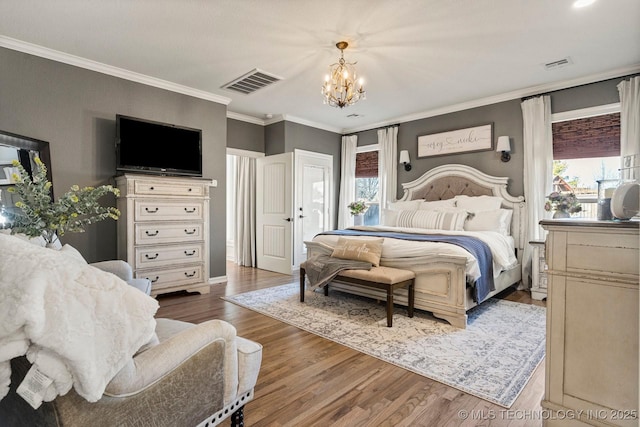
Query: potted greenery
x=357 y=209
x=43 y=217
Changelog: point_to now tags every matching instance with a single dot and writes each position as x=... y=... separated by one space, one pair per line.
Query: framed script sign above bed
x=478 y=138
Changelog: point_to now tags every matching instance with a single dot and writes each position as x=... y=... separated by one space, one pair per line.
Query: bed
x=445 y=273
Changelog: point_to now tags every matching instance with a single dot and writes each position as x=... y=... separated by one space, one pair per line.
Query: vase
x=357 y=220
x=561 y=214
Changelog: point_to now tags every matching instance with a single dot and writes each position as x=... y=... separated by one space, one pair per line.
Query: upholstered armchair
x=123 y=270
x=193 y=375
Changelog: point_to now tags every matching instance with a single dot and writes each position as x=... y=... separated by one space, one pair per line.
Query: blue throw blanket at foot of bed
x=476 y=247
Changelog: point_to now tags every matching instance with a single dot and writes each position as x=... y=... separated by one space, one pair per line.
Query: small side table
x=538 y=270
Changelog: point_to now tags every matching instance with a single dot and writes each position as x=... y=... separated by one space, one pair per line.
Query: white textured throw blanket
x=77 y=324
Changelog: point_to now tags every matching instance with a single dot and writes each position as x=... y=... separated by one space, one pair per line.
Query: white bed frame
x=440 y=285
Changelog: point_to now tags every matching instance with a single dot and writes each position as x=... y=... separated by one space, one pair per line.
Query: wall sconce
x=505 y=146
x=404 y=159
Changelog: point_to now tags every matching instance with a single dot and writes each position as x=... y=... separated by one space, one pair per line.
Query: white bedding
x=502 y=247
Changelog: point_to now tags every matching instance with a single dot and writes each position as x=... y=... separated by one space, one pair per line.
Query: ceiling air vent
x=558 y=64
x=252 y=81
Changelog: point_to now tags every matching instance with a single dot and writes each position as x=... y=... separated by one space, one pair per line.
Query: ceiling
x=419 y=58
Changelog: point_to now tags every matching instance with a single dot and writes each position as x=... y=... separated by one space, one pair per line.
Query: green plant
x=357 y=208
x=565 y=202
x=72 y=212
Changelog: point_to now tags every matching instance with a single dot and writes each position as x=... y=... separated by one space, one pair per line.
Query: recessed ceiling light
x=583 y=3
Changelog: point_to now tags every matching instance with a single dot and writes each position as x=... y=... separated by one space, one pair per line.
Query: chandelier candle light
x=342 y=87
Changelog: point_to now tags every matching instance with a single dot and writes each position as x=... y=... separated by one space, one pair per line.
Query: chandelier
x=341 y=86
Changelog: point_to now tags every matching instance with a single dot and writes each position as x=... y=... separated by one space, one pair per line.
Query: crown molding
x=520 y=93
x=43 y=52
x=301 y=121
x=245 y=118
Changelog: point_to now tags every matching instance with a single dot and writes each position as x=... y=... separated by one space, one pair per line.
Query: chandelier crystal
x=341 y=86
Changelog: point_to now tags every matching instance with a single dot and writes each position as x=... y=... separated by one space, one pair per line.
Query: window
x=586 y=153
x=367 y=182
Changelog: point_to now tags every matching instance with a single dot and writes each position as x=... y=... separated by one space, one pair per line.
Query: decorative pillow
x=497 y=220
x=478 y=203
x=408 y=205
x=432 y=220
x=437 y=204
x=368 y=250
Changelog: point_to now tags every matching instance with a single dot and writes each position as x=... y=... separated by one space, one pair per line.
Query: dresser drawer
x=172 y=277
x=152 y=234
x=168 y=188
x=168 y=210
x=163 y=255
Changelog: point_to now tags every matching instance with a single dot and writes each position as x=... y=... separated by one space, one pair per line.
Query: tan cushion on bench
x=385 y=275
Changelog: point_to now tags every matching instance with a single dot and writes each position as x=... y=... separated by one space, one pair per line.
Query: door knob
x=301 y=216
x=288 y=219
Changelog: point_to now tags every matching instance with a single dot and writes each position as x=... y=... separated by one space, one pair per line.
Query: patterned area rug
x=492 y=359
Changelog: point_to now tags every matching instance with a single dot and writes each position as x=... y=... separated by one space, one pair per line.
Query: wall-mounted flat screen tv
x=157 y=148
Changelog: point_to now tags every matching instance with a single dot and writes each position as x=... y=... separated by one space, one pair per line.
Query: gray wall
x=245 y=136
x=507 y=120
x=74 y=110
x=274 y=138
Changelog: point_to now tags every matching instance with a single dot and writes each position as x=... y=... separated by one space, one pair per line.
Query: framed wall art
x=478 y=138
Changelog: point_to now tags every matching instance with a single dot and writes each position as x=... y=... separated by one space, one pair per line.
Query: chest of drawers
x=163 y=231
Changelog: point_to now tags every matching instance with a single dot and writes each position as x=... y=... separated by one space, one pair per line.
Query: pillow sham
x=478 y=203
x=389 y=217
x=496 y=220
x=407 y=205
x=437 y=204
x=432 y=219
x=368 y=250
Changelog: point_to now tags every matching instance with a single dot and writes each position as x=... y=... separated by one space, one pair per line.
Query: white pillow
x=478 y=203
x=389 y=217
x=431 y=220
x=409 y=205
x=497 y=220
x=437 y=204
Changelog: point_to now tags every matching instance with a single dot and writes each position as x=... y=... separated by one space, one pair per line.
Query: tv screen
x=158 y=148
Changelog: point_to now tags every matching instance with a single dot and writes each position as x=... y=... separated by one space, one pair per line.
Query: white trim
x=309 y=123
x=244 y=118
x=582 y=113
x=99 y=67
x=243 y=153
x=367 y=148
x=521 y=93
x=216 y=280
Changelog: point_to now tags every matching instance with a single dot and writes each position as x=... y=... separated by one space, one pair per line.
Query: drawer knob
x=147 y=256
x=190 y=232
x=192 y=253
x=153 y=280
x=153 y=210
x=189 y=275
x=151 y=188
x=151 y=233
x=187 y=210
x=190 y=189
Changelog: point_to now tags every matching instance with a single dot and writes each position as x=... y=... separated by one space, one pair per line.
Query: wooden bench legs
x=409 y=284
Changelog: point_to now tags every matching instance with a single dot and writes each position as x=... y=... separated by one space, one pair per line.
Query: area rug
x=493 y=358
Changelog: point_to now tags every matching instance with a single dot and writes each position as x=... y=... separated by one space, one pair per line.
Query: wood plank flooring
x=306 y=380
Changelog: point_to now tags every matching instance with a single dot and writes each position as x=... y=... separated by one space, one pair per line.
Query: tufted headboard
x=447 y=181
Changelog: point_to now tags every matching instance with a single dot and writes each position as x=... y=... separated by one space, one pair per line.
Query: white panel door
x=274 y=213
x=313 y=197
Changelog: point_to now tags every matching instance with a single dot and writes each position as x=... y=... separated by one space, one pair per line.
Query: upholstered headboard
x=448 y=181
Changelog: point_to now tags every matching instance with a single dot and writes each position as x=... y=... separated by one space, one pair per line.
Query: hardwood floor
x=306 y=380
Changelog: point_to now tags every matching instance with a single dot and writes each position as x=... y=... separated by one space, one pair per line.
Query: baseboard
x=216 y=280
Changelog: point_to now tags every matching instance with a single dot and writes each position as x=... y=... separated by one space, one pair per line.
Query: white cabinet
x=592 y=323
x=164 y=230
x=538 y=270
